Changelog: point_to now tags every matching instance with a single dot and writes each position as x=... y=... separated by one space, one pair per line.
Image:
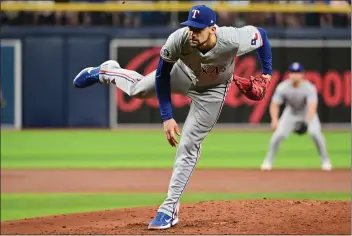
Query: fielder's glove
x=253 y=88
x=301 y=127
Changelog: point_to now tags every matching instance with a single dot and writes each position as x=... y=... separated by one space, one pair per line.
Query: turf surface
x=19 y=206
x=149 y=149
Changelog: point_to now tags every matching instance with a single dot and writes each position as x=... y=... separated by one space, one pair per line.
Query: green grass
x=149 y=149
x=19 y=206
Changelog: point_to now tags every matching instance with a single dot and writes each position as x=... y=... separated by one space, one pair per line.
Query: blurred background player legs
x=285 y=127
x=314 y=130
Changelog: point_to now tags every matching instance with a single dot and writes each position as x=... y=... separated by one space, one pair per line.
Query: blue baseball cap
x=200 y=17
x=296 y=67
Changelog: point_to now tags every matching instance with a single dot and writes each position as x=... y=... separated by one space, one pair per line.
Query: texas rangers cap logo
x=195 y=13
x=200 y=17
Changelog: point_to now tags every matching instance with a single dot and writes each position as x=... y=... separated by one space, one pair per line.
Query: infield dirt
x=211 y=217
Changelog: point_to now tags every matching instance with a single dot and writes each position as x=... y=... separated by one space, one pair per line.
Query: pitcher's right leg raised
x=129 y=81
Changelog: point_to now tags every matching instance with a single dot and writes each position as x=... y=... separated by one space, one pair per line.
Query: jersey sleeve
x=278 y=97
x=171 y=50
x=248 y=39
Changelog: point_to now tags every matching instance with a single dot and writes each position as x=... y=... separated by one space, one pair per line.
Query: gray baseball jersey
x=295 y=99
x=217 y=65
x=205 y=78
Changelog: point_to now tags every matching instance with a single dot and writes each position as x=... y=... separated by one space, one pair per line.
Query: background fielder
x=197 y=60
x=299 y=116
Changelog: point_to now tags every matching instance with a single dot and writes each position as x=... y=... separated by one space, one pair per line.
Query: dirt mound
x=214 y=217
x=220 y=217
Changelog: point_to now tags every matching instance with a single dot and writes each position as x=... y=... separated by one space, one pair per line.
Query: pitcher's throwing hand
x=170 y=129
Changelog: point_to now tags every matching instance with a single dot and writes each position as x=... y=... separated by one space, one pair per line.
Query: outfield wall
x=38 y=65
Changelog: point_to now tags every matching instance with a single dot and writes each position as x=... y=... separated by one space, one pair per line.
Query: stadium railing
x=168 y=7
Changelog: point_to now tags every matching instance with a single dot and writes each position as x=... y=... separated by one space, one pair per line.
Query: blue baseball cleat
x=87 y=77
x=162 y=221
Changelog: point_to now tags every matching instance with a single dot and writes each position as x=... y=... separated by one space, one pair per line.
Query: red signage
x=333 y=86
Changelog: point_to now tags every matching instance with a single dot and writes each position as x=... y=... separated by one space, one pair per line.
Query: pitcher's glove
x=253 y=88
x=301 y=127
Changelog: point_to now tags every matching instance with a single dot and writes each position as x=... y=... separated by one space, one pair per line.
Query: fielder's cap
x=296 y=67
x=200 y=17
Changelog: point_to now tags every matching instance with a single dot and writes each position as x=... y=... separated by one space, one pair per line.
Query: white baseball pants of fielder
x=286 y=126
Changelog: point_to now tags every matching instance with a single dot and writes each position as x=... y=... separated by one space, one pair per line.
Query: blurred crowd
x=139 y=19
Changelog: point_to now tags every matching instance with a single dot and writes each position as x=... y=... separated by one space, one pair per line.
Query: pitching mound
x=218 y=217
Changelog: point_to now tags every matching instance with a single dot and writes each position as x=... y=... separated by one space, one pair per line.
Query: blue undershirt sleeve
x=163 y=88
x=264 y=53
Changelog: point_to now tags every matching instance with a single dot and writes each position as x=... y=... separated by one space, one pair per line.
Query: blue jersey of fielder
x=217 y=65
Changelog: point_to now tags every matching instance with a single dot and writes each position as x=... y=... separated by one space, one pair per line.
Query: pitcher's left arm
x=251 y=38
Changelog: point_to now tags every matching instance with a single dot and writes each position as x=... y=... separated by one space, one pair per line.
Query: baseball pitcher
x=196 y=60
x=299 y=116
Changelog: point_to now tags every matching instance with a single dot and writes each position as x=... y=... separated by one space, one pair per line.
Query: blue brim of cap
x=296 y=71
x=194 y=24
